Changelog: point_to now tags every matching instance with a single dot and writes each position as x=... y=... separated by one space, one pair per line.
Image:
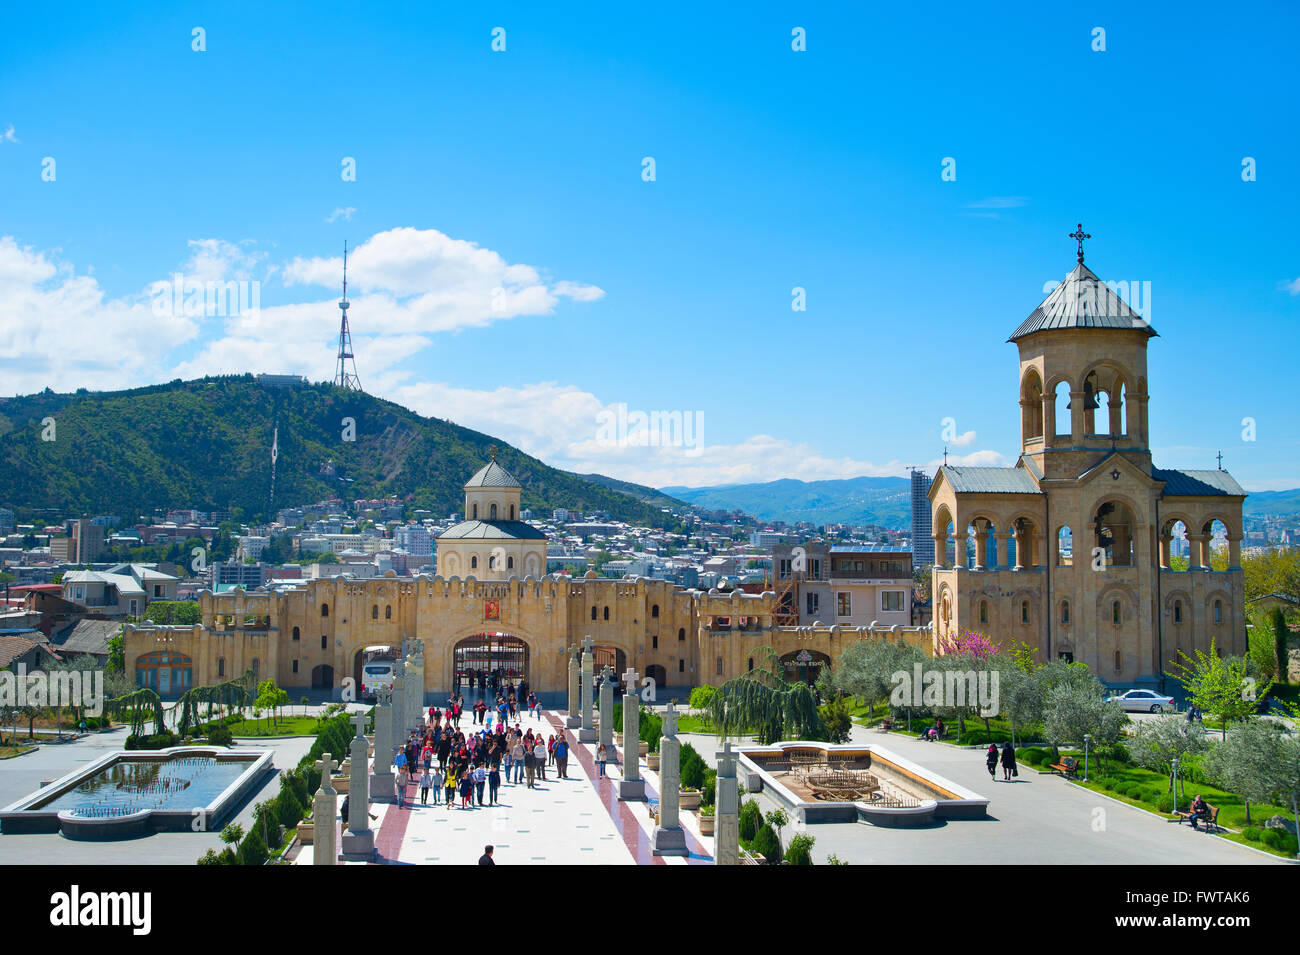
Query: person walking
x=602 y=756
x=449 y=787
x=467 y=789
x=438 y=781
x=530 y=767
x=517 y=754
x=494 y=784
x=426 y=780
x=539 y=757
x=399 y=786
x=480 y=780
x=486 y=857
x=991 y=758
x=1008 y=761
x=562 y=757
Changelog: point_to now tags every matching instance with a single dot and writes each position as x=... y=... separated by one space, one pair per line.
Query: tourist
x=494 y=784
x=399 y=786
x=530 y=766
x=399 y=761
x=426 y=781
x=602 y=755
x=539 y=757
x=1199 y=809
x=449 y=787
x=486 y=857
x=991 y=757
x=426 y=755
x=466 y=790
x=1008 y=761
x=561 y=751
x=438 y=780
x=534 y=707
x=517 y=755
x=480 y=780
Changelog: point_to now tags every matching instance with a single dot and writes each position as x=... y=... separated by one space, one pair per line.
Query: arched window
x=1031 y=407
x=374 y=612
x=718 y=666
x=1178 y=611
x=606 y=613
x=221 y=666
x=492 y=513
x=512 y=512
x=1218 y=611
x=681 y=638
x=388 y=611
x=751 y=663
x=1118 y=661
x=474 y=512
x=296 y=634
x=654 y=643
x=654 y=611
x=257 y=667
x=593 y=613
x=984 y=611
x=1065 y=611
x=1024 y=611
x=1064 y=547
x=473 y=562
x=1114 y=612
x=324 y=643
x=510 y=563
x=324 y=610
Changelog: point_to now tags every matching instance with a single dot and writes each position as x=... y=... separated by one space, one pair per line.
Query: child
x=601 y=756
x=425 y=782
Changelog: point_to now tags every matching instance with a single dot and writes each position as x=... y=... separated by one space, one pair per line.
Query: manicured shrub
x=751 y=817
x=1030 y=754
x=693 y=768
x=1165 y=803
x=1271 y=838
x=702 y=696
x=799 y=851
x=1252 y=833
x=220 y=735
x=768 y=844
x=710 y=788
x=253 y=851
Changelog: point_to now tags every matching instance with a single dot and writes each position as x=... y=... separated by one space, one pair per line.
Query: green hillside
x=207 y=444
x=863 y=500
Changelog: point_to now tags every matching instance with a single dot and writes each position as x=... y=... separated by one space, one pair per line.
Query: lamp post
x=1086 y=738
x=1175 y=765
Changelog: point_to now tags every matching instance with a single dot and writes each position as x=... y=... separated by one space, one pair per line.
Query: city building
x=922 y=534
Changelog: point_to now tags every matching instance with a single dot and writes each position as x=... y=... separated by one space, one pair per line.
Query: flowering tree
x=970 y=643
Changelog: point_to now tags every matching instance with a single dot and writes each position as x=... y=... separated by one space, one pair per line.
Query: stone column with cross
x=398 y=738
x=415 y=683
x=572 y=720
x=358 y=843
x=632 y=786
x=726 y=831
x=587 y=734
x=381 y=775
x=669 y=838
x=324 y=815
x=607 y=710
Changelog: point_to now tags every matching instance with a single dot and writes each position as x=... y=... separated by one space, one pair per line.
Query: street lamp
x=1175 y=765
x=1086 y=738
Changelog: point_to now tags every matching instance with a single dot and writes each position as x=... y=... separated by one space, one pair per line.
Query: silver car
x=1143 y=701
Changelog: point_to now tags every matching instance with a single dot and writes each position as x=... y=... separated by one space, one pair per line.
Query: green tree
x=1281 y=634
x=1158 y=742
x=1221 y=685
x=1074 y=709
x=1251 y=762
x=866 y=670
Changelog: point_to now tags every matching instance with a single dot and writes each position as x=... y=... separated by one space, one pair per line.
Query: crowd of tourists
x=466 y=766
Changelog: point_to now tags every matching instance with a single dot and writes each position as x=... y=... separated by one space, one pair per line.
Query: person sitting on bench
x=1200 y=809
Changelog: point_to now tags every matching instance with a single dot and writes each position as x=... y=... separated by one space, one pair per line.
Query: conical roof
x=1082 y=301
x=492 y=475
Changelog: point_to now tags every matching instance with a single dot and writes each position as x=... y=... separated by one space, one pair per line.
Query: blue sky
x=522 y=169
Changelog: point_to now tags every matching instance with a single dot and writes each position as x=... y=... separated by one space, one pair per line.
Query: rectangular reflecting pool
x=129 y=794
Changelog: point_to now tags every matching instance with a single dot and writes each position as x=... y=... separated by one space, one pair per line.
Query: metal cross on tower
x=1079 y=235
x=342 y=377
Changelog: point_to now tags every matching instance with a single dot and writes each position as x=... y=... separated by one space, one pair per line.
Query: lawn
x=6 y=750
x=285 y=726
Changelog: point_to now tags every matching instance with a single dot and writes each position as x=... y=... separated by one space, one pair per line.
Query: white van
x=376 y=674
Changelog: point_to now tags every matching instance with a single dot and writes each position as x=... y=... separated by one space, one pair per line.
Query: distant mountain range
x=207 y=444
x=883 y=501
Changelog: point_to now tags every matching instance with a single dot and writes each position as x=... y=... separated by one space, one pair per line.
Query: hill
x=207 y=444
x=862 y=500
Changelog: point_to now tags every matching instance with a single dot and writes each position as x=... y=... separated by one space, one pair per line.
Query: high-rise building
x=922 y=533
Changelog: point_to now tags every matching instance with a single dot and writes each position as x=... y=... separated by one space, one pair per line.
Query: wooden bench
x=1066 y=767
x=1211 y=824
x=886 y=725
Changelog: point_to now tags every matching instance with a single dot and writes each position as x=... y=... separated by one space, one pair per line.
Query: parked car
x=1143 y=701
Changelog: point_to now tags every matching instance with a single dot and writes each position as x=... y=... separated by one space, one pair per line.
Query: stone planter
x=618 y=740
x=643 y=748
x=689 y=799
x=306 y=833
x=341 y=784
x=652 y=761
x=706 y=824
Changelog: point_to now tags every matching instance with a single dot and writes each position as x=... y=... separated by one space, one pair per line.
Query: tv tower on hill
x=342 y=378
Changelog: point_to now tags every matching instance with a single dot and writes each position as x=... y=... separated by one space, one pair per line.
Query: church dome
x=492 y=475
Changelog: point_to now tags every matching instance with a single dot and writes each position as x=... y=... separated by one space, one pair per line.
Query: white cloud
x=8 y=135
x=963 y=440
x=999 y=202
x=1293 y=287
x=341 y=213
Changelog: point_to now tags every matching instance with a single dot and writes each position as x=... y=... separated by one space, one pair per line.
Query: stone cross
x=632 y=785
x=588 y=644
x=726 y=850
x=358 y=787
x=607 y=709
x=669 y=838
x=325 y=815
x=573 y=720
x=383 y=736
x=587 y=733
x=398 y=737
